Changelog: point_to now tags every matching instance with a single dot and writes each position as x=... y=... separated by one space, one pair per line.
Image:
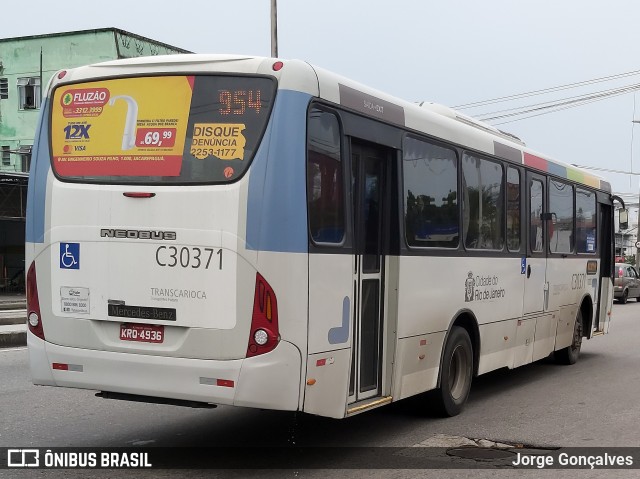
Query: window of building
x=25 y=158
x=431 y=195
x=561 y=225
x=29 y=93
x=325 y=185
x=585 y=221
x=4 y=88
x=6 y=156
x=483 y=203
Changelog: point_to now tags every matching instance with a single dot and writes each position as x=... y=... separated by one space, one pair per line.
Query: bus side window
x=513 y=209
x=585 y=221
x=484 y=203
x=430 y=195
x=536 y=203
x=561 y=236
x=325 y=186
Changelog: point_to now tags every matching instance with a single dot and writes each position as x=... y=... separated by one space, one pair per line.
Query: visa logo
x=80 y=148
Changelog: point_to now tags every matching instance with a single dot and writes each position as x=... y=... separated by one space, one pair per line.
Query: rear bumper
x=270 y=381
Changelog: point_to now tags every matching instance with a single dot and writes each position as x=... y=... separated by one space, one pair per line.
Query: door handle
x=528 y=271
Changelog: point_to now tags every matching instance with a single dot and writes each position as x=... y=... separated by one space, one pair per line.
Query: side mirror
x=623 y=219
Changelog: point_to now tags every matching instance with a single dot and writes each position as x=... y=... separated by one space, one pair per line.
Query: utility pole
x=274 y=29
x=638 y=228
x=638 y=240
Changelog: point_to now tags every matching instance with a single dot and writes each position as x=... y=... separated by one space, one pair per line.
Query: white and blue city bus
x=263 y=233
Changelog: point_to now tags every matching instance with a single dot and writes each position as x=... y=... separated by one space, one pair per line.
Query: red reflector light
x=277 y=66
x=227 y=383
x=132 y=194
x=33 y=303
x=60 y=366
x=62 y=74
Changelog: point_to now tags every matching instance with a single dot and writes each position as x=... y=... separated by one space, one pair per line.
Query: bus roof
x=428 y=118
x=448 y=124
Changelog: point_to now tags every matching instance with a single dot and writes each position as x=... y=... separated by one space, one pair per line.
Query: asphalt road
x=592 y=403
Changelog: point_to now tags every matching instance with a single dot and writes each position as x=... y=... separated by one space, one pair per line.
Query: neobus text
x=136 y=234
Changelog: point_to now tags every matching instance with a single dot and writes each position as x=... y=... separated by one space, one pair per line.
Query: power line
x=559 y=102
x=564 y=104
x=545 y=90
x=607 y=170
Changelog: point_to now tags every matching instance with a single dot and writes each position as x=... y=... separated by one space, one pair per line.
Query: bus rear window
x=159 y=130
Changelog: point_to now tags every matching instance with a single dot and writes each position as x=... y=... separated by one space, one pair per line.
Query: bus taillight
x=264 y=334
x=33 y=303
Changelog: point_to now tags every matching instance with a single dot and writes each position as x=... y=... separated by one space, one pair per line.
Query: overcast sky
x=447 y=51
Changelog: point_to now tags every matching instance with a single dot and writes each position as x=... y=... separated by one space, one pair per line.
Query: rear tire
x=570 y=354
x=456 y=373
x=624 y=297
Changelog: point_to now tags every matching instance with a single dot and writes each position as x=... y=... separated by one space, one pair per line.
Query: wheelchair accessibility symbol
x=70 y=255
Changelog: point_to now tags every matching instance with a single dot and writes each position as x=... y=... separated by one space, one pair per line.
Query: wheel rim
x=458 y=372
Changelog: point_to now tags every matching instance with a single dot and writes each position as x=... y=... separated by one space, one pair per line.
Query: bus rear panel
x=141 y=279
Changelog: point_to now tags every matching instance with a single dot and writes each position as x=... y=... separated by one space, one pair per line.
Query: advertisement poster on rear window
x=183 y=129
x=132 y=127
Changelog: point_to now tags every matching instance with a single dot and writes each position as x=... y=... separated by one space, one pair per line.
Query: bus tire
x=456 y=372
x=570 y=354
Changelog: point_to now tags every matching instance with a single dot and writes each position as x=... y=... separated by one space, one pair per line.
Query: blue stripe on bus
x=276 y=203
x=557 y=170
x=37 y=190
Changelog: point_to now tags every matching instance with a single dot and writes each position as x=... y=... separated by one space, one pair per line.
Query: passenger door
x=607 y=263
x=369 y=166
x=536 y=289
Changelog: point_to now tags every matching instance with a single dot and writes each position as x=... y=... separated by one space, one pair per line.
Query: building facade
x=26 y=66
x=28 y=63
x=626 y=238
